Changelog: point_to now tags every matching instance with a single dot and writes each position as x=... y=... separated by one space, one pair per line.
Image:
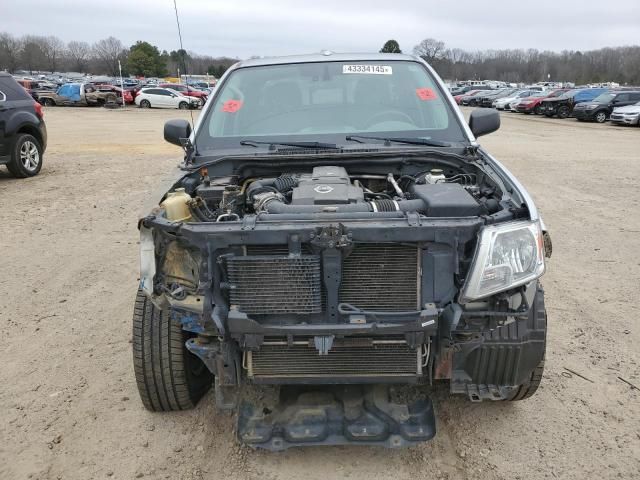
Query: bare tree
x=53 y=49
x=430 y=49
x=108 y=52
x=32 y=56
x=78 y=54
x=9 y=52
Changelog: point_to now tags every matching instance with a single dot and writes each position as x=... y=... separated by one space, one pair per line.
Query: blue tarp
x=71 y=91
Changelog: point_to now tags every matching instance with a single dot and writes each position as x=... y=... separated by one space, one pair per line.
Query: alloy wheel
x=29 y=156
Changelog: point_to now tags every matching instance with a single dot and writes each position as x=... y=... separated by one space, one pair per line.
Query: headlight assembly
x=507 y=256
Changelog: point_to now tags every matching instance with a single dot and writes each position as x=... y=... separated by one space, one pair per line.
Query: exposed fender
x=152 y=201
x=519 y=193
x=147 y=260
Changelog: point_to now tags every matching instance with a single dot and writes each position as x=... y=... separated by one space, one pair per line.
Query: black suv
x=601 y=107
x=23 y=134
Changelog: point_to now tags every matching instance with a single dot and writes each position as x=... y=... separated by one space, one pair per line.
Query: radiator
x=375 y=277
x=272 y=284
x=382 y=277
x=344 y=359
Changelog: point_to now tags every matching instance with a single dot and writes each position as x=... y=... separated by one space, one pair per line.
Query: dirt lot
x=69 y=408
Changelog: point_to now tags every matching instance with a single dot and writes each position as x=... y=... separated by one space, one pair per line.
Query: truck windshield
x=327 y=101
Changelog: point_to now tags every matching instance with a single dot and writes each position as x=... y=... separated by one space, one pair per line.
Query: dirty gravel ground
x=69 y=408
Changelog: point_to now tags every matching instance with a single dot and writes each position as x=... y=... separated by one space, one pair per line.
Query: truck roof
x=326 y=57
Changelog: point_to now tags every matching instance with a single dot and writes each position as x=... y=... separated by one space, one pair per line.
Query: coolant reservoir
x=176 y=206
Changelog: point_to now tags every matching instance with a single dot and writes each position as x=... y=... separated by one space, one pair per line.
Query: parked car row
x=585 y=104
x=167 y=95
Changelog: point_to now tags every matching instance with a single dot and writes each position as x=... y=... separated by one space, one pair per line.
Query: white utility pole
x=121 y=82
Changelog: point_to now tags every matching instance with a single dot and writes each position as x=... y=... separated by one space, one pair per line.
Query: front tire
x=563 y=112
x=530 y=387
x=26 y=156
x=48 y=102
x=169 y=377
x=600 y=117
x=183 y=105
x=531 y=384
x=145 y=104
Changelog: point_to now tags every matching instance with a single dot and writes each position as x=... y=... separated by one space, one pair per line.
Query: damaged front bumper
x=339 y=343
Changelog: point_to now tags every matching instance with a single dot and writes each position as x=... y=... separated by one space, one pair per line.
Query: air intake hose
x=282 y=184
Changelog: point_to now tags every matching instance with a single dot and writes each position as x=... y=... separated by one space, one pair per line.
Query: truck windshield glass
x=327 y=101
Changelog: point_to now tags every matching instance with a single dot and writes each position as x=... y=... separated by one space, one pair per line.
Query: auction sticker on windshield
x=368 y=69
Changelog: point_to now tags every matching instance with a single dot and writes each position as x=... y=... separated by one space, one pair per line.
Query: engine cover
x=326 y=186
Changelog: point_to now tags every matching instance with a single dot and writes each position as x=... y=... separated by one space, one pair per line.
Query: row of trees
x=618 y=64
x=50 y=54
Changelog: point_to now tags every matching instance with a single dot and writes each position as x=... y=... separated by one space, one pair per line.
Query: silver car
x=629 y=115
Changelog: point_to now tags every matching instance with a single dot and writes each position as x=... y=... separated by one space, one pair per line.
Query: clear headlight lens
x=507 y=256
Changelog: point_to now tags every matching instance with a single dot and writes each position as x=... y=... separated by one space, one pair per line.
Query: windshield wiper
x=311 y=145
x=408 y=140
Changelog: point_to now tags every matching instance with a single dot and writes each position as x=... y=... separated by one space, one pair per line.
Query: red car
x=185 y=90
x=457 y=98
x=532 y=103
x=128 y=97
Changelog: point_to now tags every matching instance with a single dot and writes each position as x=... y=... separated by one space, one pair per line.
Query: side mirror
x=175 y=130
x=483 y=121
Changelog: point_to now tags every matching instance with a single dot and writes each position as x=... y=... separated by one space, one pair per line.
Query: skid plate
x=334 y=415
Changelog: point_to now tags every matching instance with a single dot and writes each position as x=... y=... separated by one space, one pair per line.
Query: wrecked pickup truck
x=334 y=245
x=77 y=94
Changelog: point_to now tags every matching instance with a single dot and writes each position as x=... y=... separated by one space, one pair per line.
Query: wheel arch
x=30 y=130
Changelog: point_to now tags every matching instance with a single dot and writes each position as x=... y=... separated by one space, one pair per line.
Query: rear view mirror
x=483 y=121
x=175 y=130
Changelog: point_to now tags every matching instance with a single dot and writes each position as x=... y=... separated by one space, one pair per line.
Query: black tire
x=563 y=111
x=169 y=377
x=183 y=105
x=539 y=317
x=537 y=110
x=110 y=99
x=145 y=104
x=26 y=156
x=48 y=102
x=529 y=388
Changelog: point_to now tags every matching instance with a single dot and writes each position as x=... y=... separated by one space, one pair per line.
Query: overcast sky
x=281 y=27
